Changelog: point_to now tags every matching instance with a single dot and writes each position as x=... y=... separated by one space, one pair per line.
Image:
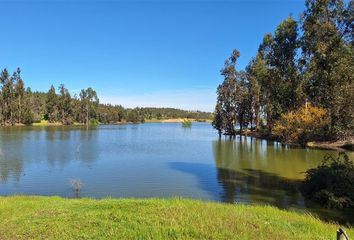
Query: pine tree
x=19 y=95
x=51 y=105
x=64 y=105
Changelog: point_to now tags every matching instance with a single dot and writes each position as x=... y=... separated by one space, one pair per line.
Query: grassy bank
x=26 y=217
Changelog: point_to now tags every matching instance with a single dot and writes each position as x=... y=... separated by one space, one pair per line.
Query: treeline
x=305 y=67
x=165 y=113
x=113 y=114
x=20 y=105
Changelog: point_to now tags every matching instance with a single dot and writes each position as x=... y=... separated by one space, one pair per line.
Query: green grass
x=27 y=217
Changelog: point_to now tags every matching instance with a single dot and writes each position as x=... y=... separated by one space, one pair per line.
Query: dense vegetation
x=58 y=218
x=308 y=123
x=331 y=184
x=305 y=67
x=19 y=105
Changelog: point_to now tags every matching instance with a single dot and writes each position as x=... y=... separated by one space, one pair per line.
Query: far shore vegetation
x=58 y=218
x=22 y=106
x=43 y=123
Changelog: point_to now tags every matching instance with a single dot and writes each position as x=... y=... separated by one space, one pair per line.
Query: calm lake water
x=156 y=160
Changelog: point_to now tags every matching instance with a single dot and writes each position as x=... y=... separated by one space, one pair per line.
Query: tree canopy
x=19 y=105
x=309 y=61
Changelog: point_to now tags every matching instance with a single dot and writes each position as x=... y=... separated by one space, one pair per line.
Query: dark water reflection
x=156 y=160
x=256 y=171
x=257 y=186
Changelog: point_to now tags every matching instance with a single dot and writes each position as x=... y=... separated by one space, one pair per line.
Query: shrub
x=331 y=184
x=94 y=122
x=309 y=123
x=186 y=123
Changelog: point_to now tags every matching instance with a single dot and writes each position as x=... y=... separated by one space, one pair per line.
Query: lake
x=156 y=160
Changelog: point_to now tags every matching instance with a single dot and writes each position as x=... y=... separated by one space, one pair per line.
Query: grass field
x=27 y=217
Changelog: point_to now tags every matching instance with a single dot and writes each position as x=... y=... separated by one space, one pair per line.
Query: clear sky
x=138 y=53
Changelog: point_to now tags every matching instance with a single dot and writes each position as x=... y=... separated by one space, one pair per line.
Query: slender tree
x=89 y=103
x=7 y=97
x=27 y=107
x=64 y=105
x=256 y=71
x=19 y=95
x=227 y=94
x=3 y=80
x=51 y=105
x=218 y=121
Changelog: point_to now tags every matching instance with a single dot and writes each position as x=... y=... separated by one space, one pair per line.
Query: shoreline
x=336 y=145
x=45 y=123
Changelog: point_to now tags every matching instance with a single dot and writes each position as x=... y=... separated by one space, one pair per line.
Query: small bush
x=264 y=131
x=331 y=184
x=186 y=123
x=94 y=122
x=309 y=123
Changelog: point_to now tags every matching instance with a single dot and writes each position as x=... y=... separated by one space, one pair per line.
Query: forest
x=20 y=105
x=299 y=87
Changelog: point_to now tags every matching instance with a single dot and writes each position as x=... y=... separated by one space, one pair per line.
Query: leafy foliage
x=233 y=100
x=22 y=106
x=331 y=183
x=134 y=116
x=306 y=123
x=328 y=56
x=310 y=60
x=88 y=104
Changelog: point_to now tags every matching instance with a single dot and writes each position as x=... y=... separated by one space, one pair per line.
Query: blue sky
x=138 y=53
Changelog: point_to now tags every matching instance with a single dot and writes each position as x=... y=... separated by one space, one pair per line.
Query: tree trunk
x=269 y=117
x=251 y=123
x=62 y=116
x=257 y=118
x=3 y=113
x=19 y=110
